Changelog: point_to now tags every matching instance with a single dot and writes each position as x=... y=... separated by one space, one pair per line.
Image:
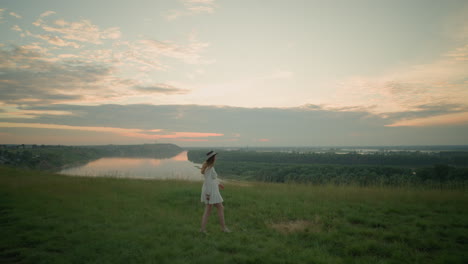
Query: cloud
x=178 y=136
x=237 y=126
x=190 y=53
x=240 y=125
x=67 y=127
x=15 y=15
x=16 y=28
x=440 y=83
x=47 y=13
x=29 y=73
x=21 y=113
x=34 y=47
x=426 y=111
x=153 y=134
x=148 y=55
x=54 y=40
x=83 y=31
x=429 y=115
x=161 y=88
x=142 y=55
x=192 y=7
x=460 y=54
x=439 y=120
x=40 y=21
x=68 y=56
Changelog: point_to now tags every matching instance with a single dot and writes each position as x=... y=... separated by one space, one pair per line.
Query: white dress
x=210 y=186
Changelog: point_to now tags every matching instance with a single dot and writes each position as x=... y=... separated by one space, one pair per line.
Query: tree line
x=402 y=158
x=55 y=158
x=390 y=169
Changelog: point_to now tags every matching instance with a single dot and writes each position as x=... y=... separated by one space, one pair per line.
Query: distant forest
x=53 y=158
x=405 y=168
x=446 y=169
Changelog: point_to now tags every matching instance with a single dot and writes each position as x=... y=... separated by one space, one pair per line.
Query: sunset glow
x=136 y=133
x=200 y=73
x=450 y=119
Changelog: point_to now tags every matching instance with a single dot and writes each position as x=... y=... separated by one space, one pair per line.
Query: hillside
x=48 y=218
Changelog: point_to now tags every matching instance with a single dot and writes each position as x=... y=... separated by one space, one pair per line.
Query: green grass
x=47 y=218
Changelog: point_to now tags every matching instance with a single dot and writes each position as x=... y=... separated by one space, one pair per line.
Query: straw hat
x=210 y=154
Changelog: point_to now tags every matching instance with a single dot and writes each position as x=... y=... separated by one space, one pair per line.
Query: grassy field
x=47 y=218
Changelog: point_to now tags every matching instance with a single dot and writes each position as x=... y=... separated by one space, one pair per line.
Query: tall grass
x=47 y=218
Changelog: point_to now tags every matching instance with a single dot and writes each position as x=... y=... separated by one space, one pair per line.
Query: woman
x=210 y=192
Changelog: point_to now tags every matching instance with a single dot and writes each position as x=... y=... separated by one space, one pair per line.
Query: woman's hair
x=208 y=163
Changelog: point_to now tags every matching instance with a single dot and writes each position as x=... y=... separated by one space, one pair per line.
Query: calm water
x=177 y=167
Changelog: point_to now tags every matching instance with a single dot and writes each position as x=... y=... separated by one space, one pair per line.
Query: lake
x=177 y=167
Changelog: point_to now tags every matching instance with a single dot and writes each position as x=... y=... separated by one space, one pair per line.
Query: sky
x=234 y=72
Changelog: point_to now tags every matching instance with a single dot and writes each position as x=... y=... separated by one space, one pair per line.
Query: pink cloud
x=126 y=132
x=195 y=134
x=54 y=40
x=441 y=82
x=191 y=140
x=82 y=31
x=33 y=113
x=187 y=136
x=444 y=120
x=67 y=127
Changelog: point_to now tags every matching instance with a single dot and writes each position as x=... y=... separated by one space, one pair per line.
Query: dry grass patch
x=296 y=226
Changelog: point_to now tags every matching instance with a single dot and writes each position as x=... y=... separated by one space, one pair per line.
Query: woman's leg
x=206 y=214
x=220 y=208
